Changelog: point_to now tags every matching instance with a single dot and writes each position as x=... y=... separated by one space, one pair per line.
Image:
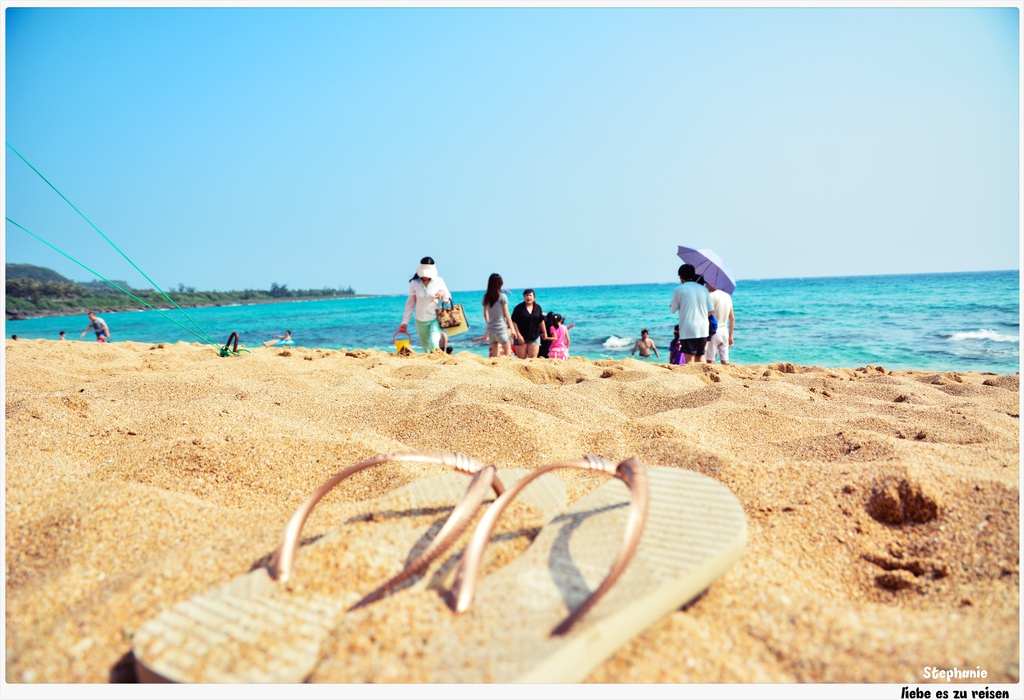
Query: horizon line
x=622 y=284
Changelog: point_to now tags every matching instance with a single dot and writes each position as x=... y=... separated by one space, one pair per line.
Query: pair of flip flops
x=598 y=573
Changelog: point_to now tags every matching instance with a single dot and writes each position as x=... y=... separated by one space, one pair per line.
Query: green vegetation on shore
x=40 y=291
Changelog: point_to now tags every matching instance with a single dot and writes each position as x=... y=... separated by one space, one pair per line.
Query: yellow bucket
x=399 y=344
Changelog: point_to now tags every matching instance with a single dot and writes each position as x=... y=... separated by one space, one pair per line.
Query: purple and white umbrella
x=710 y=266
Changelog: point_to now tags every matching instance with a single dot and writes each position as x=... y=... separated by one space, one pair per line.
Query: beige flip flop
x=268 y=626
x=633 y=550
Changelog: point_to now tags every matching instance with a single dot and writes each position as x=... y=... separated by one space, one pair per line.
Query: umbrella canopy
x=710 y=266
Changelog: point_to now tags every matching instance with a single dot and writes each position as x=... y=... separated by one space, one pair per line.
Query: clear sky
x=334 y=146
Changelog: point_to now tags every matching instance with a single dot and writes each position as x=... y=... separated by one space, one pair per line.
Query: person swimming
x=285 y=339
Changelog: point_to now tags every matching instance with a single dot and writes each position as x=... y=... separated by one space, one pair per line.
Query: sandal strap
x=631 y=472
x=460 y=518
x=485 y=478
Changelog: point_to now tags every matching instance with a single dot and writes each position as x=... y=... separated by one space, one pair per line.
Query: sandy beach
x=882 y=506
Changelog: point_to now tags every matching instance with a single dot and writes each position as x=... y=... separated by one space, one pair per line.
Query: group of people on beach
x=706 y=320
x=703 y=335
x=526 y=330
x=705 y=329
x=704 y=332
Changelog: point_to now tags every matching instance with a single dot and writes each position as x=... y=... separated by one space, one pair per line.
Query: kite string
x=114 y=284
x=155 y=285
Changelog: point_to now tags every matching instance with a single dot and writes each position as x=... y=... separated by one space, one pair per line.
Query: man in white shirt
x=720 y=342
x=693 y=303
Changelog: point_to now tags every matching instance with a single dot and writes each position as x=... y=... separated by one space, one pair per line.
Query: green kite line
x=208 y=339
x=114 y=284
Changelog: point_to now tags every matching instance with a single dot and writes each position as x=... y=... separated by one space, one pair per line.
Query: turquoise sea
x=949 y=321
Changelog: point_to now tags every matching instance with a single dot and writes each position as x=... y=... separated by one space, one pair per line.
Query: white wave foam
x=616 y=342
x=983 y=334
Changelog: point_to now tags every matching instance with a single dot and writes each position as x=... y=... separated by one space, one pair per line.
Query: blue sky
x=230 y=148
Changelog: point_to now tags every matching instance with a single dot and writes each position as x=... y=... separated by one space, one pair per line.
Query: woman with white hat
x=426 y=289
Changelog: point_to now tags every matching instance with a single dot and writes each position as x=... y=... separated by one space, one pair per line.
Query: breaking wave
x=616 y=342
x=984 y=334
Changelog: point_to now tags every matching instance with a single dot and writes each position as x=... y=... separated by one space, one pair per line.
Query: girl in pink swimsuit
x=559 y=338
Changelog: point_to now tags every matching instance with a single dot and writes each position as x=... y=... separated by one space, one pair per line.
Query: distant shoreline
x=24 y=315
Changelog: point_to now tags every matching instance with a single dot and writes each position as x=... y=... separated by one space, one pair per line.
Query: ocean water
x=948 y=322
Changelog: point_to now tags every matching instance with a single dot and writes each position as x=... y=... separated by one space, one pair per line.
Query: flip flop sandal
x=633 y=550
x=268 y=626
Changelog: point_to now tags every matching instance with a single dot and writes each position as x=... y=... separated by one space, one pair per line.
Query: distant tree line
x=281 y=291
x=33 y=290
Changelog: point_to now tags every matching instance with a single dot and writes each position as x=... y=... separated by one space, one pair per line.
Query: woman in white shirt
x=426 y=291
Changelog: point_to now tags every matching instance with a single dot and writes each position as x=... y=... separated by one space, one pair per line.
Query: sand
x=882 y=506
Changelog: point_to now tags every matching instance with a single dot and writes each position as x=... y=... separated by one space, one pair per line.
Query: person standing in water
x=645 y=345
x=426 y=292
